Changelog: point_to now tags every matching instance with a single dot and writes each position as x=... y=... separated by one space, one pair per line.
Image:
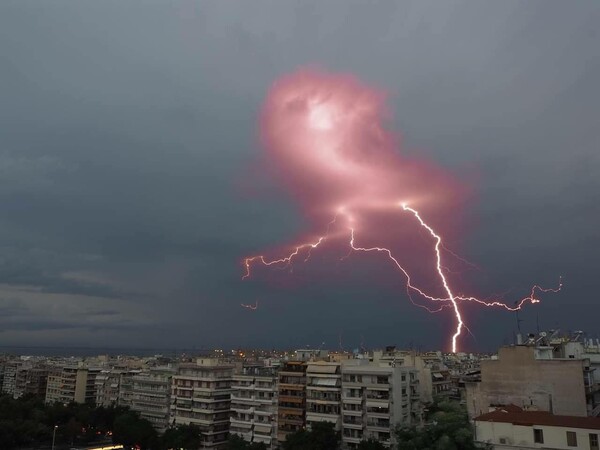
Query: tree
x=322 y=436
x=447 y=428
x=183 y=436
x=129 y=429
x=371 y=444
x=235 y=442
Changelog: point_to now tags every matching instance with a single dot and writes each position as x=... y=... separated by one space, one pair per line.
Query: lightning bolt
x=451 y=300
x=252 y=307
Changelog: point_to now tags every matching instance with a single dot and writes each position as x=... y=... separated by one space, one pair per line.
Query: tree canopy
x=447 y=428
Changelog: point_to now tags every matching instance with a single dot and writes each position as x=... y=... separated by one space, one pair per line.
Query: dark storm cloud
x=128 y=149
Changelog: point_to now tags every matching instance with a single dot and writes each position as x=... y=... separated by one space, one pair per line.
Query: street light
x=54 y=435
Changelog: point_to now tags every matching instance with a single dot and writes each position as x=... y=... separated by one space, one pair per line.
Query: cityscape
x=299 y=225
x=544 y=389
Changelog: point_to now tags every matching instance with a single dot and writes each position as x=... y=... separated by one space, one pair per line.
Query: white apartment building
x=201 y=395
x=511 y=428
x=432 y=372
x=151 y=395
x=254 y=405
x=375 y=399
x=323 y=393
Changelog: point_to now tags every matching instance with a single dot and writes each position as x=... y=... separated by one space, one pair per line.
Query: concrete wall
x=521 y=437
x=555 y=385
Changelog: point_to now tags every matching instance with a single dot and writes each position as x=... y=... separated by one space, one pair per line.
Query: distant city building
x=376 y=399
x=531 y=378
x=323 y=393
x=292 y=399
x=72 y=384
x=151 y=395
x=511 y=428
x=10 y=376
x=114 y=386
x=201 y=395
x=254 y=405
x=31 y=380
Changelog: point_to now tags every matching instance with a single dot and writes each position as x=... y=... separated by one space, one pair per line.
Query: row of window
x=538 y=438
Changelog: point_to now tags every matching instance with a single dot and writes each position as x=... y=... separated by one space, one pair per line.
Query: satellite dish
x=543 y=334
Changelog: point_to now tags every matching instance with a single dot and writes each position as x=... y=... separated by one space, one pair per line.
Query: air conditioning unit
x=504 y=440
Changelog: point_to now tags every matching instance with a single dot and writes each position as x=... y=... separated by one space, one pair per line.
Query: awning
x=322 y=368
x=324 y=382
x=262 y=428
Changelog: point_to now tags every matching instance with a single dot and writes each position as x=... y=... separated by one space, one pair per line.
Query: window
x=594 y=441
x=571 y=439
x=538 y=436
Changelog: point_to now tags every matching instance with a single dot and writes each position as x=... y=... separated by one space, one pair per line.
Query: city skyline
x=132 y=182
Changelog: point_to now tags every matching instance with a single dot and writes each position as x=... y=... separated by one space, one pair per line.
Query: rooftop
x=515 y=415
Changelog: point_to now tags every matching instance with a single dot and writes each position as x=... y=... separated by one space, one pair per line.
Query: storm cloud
x=129 y=179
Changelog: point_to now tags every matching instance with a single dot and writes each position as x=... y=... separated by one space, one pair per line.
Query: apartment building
x=323 y=393
x=72 y=384
x=375 y=399
x=254 y=405
x=511 y=428
x=151 y=395
x=30 y=380
x=432 y=372
x=10 y=376
x=292 y=399
x=531 y=378
x=113 y=387
x=201 y=394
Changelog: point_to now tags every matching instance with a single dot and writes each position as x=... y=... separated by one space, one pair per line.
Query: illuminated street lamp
x=54 y=435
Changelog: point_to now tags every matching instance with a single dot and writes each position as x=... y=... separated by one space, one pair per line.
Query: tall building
x=376 y=399
x=254 y=405
x=201 y=394
x=151 y=396
x=292 y=399
x=323 y=393
x=113 y=387
x=531 y=378
x=31 y=380
x=10 y=376
x=72 y=384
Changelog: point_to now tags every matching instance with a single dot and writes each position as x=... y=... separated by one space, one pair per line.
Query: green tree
x=371 y=444
x=183 y=436
x=235 y=442
x=322 y=436
x=447 y=428
x=129 y=429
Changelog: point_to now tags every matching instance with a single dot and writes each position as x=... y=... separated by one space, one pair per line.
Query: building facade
x=291 y=415
x=201 y=395
x=254 y=405
x=375 y=400
x=324 y=393
x=72 y=384
x=511 y=428
x=531 y=379
x=151 y=395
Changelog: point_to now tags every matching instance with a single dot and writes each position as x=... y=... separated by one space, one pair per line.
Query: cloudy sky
x=130 y=187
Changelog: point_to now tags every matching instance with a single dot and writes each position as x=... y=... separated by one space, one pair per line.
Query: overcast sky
x=130 y=188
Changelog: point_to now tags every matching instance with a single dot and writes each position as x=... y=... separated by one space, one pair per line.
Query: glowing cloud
x=326 y=139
